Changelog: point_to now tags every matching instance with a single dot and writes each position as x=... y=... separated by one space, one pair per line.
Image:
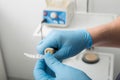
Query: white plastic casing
x=69 y=11
x=102 y=70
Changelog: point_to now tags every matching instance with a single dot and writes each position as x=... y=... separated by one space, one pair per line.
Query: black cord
x=43 y=21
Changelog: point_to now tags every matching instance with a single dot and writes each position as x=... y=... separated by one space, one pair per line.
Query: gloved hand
x=68 y=43
x=61 y=71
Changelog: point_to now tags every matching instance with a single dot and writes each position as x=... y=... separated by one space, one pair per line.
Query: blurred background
x=18 y=20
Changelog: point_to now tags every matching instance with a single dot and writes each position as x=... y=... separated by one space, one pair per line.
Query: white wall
x=19 y=18
x=105 y=6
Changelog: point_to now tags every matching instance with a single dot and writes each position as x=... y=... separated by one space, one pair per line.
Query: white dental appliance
x=58 y=13
x=104 y=68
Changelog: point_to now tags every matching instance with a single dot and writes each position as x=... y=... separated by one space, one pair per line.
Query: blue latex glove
x=62 y=72
x=68 y=43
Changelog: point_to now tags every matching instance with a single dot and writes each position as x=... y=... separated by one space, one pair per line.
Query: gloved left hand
x=62 y=72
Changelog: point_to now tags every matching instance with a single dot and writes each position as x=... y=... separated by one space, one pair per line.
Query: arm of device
x=107 y=34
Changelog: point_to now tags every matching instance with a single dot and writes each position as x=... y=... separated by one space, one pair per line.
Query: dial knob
x=61 y=22
x=45 y=13
x=90 y=58
x=54 y=21
x=53 y=15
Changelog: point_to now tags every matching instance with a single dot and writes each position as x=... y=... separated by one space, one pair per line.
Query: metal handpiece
x=40 y=56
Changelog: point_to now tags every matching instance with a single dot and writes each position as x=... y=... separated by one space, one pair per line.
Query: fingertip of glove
x=47 y=55
x=39 y=50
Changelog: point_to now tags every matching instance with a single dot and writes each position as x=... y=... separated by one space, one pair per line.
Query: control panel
x=54 y=17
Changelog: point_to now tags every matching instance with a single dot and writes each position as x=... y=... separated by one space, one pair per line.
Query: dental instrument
x=40 y=56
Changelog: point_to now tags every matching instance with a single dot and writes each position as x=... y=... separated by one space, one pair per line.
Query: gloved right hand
x=62 y=72
x=68 y=43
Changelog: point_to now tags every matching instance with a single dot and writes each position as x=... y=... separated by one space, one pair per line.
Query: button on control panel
x=53 y=15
